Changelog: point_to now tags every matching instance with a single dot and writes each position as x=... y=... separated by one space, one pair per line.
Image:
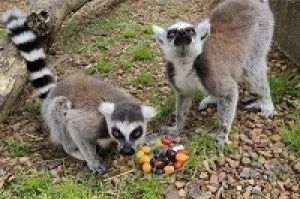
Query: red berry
x=178 y=165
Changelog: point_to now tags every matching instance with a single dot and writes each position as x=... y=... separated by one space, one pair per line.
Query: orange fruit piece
x=181 y=157
x=145 y=159
x=184 y=151
x=169 y=169
x=146 y=167
x=146 y=149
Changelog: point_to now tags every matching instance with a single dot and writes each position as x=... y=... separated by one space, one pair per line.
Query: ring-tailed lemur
x=80 y=111
x=215 y=56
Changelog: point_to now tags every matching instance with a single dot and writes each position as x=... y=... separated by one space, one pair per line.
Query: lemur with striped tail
x=216 y=55
x=80 y=111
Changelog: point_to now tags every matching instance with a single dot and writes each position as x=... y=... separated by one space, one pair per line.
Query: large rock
x=287 y=27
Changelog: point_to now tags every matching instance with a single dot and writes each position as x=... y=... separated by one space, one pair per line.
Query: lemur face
x=127 y=124
x=182 y=39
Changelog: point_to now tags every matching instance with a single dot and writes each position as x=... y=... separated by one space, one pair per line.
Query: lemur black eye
x=171 y=33
x=191 y=31
x=136 y=133
x=204 y=36
x=117 y=133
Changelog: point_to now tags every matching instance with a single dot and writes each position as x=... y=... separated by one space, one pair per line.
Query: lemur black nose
x=127 y=150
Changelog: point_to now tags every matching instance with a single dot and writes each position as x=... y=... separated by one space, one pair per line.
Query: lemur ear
x=159 y=33
x=106 y=108
x=148 y=112
x=203 y=29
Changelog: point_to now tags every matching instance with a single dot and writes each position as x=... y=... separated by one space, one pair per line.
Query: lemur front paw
x=267 y=109
x=166 y=130
x=99 y=169
x=221 y=136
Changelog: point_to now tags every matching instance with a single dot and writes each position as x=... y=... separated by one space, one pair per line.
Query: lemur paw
x=267 y=109
x=99 y=170
x=221 y=136
x=166 y=130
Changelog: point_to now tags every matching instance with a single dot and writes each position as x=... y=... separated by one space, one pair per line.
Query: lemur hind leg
x=54 y=112
x=226 y=111
x=78 y=128
x=258 y=81
x=183 y=104
x=208 y=100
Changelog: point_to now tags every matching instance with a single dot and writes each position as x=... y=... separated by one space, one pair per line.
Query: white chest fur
x=186 y=79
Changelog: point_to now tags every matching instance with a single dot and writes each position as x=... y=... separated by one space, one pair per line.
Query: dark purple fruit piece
x=156 y=156
x=156 y=151
x=166 y=160
x=159 y=164
x=163 y=154
x=153 y=161
x=171 y=154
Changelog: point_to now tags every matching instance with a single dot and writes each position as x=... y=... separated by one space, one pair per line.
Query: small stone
x=214 y=179
x=256 y=190
x=245 y=173
x=246 y=161
x=203 y=176
x=239 y=188
x=265 y=154
x=275 y=138
x=182 y=193
x=24 y=160
x=196 y=193
x=251 y=181
x=211 y=188
x=231 y=180
x=253 y=173
x=246 y=195
x=264 y=143
x=233 y=164
x=297 y=167
x=221 y=176
x=179 y=184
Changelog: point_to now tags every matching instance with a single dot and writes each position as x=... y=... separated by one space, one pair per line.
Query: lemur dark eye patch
x=204 y=36
x=117 y=133
x=171 y=33
x=136 y=133
x=191 y=31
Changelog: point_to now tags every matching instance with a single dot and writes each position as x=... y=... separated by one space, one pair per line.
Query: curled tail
x=30 y=47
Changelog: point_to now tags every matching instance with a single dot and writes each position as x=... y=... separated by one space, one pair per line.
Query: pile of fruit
x=164 y=158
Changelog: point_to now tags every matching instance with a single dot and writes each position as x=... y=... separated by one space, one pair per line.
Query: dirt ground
x=258 y=163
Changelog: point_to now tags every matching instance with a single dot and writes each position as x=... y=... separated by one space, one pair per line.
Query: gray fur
x=234 y=51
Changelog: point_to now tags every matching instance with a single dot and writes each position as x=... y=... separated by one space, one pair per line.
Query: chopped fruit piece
x=169 y=169
x=146 y=167
x=139 y=154
x=163 y=154
x=178 y=165
x=145 y=159
x=184 y=151
x=181 y=157
x=159 y=164
x=158 y=143
x=165 y=141
x=171 y=154
x=178 y=147
x=156 y=151
x=146 y=149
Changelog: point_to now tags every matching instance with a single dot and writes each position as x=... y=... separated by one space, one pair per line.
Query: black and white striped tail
x=30 y=48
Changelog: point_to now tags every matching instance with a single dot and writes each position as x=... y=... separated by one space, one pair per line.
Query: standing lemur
x=80 y=111
x=214 y=56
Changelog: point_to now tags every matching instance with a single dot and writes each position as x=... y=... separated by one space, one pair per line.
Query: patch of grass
x=129 y=33
x=291 y=136
x=281 y=84
x=33 y=106
x=146 y=187
x=2 y=34
x=103 y=65
x=142 y=52
x=198 y=148
x=146 y=29
x=106 y=24
x=164 y=104
x=197 y=97
x=41 y=185
x=126 y=64
x=229 y=149
x=145 y=78
x=16 y=148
